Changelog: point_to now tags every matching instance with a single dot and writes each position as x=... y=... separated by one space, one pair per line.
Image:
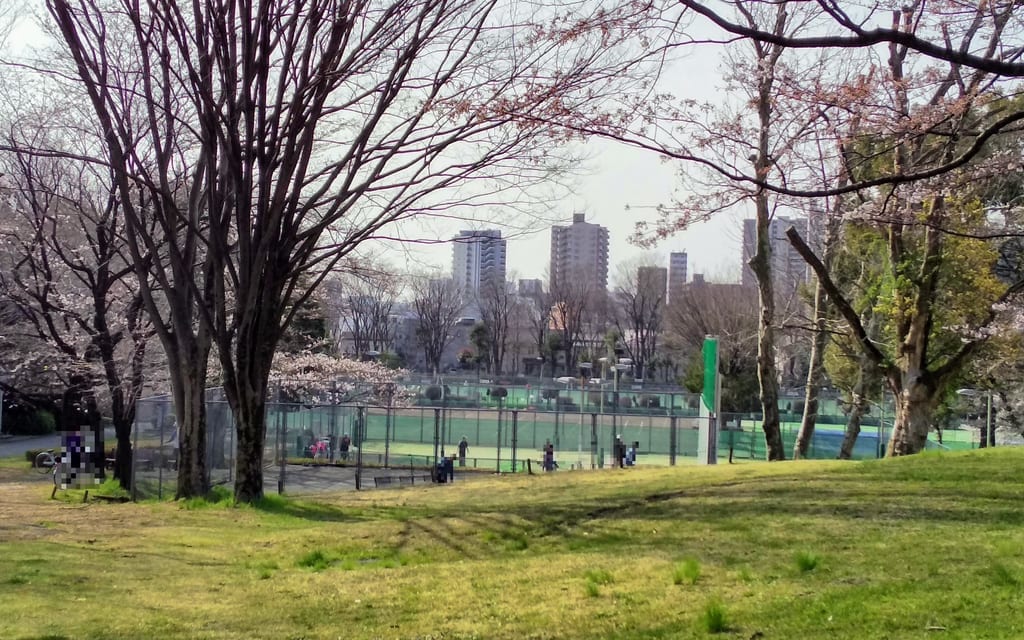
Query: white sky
x=617 y=187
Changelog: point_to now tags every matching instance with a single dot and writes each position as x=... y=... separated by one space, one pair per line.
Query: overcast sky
x=616 y=188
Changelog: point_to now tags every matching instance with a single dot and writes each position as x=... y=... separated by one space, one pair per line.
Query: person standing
x=620 y=452
x=463 y=450
x=346 y=443
x=549 y=456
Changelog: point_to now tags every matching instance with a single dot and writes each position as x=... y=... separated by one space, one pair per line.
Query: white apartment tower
x=477 y=257
x=579 y=250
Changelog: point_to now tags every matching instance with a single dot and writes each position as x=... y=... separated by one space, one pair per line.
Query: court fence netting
x=390 y=445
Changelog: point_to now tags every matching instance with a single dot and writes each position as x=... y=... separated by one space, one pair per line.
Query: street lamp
x=989 y=437
x=567 y=381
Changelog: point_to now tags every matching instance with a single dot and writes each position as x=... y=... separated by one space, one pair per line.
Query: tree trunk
x=816 y=368
x=251 y=432
x=857 y=409
x=123 y=455
x=761 y=261
x=767 y=375
x=815 y=376
x=915 y=403
x=188 y=387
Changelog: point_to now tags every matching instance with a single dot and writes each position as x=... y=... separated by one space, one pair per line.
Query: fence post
x=360 y=433
x=515 y=438
x=593 y=440
x=160 y=450
x=498 y=441
x=437 y=432
x=281 y=447
x=672 y=440
x=135 y=452
x=387 y=430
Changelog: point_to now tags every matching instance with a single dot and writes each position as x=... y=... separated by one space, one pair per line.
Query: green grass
x=686 y=572
x=714 y=618
x=891 y=548
x=807 y=561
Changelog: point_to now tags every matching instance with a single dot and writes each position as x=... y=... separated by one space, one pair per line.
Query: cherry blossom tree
x=326 y=379
x=65 y=270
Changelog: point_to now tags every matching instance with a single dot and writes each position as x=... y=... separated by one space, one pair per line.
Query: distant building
x=789 y=270
x=530 y=288
x=579 y=250
x=677 y=272
x=478 y=257
x=652 y=282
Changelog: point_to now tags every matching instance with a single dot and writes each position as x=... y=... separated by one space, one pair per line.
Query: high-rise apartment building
x=676 y=272
x=579 y=253
x=478 y=257
x=789 y=270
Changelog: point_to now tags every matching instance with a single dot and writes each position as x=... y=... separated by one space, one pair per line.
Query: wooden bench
x=387 y=481
x=144 y=464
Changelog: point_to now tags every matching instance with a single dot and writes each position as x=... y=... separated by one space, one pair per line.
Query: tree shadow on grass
x=306 y=510
x=829 y=495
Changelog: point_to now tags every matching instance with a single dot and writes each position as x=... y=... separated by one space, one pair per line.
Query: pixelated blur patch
x=81 y=462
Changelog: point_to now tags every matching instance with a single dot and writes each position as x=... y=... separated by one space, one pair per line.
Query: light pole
x=585 y=370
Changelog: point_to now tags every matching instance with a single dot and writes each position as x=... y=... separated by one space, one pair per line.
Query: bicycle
x=47 y=461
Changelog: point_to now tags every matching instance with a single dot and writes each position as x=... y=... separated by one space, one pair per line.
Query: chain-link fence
x=312 y=447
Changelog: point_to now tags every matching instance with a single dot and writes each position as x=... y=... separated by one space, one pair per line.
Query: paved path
x=17 y=445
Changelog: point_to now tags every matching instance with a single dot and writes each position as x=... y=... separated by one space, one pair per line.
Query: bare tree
x=728 y=311
x=576 y=304
x=497 y=302
x=982 y=39
x=637 y=307
x=537 y=312
x=438 y=303
x=362 y=302
x=273 y=139
x=65 y=271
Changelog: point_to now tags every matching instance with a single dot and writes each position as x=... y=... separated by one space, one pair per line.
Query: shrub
x=498 y=392
x=37 y=423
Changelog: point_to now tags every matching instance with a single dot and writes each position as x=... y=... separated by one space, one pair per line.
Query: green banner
x=710 y=373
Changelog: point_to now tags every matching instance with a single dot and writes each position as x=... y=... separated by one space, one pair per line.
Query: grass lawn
x=924 y=547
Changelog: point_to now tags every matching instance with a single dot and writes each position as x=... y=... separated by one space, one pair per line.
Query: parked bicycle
x=48 y=462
